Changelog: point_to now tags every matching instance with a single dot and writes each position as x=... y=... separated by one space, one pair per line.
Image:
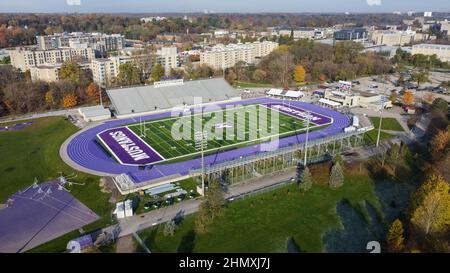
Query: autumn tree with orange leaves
x=408 y=98
x=69 y=100
x=93 y=92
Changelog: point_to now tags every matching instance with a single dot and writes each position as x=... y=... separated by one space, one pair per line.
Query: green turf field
x=390 y=124
x=247 y=125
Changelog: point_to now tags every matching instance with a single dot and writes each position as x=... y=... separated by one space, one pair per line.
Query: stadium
x=140 y=150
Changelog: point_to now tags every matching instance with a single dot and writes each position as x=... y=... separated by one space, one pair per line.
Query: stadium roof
x=142 y=99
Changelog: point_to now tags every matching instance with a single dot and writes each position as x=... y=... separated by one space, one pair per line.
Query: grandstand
x=138 y=100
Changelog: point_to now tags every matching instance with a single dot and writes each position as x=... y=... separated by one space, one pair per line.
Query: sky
x=250 y=6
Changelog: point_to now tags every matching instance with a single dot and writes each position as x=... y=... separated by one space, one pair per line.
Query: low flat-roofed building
x=352 y=34
x=356 y=98
x=441 y=51
x=392 y=38
x=94 y=113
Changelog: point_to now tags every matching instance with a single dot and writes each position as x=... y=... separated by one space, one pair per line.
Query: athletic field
x=179 y=136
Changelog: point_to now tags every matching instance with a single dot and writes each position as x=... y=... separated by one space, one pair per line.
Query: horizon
x=231 y=6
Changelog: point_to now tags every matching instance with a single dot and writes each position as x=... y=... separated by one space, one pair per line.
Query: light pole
x=201 y=141
x=381 y=114
x=306 y=139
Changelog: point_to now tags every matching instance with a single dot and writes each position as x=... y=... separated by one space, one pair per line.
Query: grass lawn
x=371 y=136
x=390 y=124
x=34 y=152
x=252 y=85
x=264 y=222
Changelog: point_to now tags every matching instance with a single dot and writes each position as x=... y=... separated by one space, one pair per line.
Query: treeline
x=306 y=61
x=425 y=224
x=403 y=58
x=18 y=95
x=21 y=29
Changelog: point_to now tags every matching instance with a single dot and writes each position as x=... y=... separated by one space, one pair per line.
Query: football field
x=176 y=137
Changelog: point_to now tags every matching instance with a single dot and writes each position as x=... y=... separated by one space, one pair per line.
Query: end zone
x=127 y=147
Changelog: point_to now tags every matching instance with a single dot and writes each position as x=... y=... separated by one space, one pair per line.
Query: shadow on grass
x=292 y=246
x=187 y=242
x=355 y=232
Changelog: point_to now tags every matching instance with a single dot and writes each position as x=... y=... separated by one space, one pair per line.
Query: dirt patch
x=125 y=245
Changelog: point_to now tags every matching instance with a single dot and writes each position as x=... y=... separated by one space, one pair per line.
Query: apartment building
x=104 y=71
x=98 y=41
x=221 y=56
x=168 y=58
x=441 y=51
x=50 y=73
x=23 y=58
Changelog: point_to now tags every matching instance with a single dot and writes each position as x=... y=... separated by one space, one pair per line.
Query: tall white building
x=221 y=56
x=98 y=41
x=168 y=58
x=104 y=71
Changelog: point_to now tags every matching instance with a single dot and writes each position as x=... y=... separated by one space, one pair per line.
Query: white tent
x=294 y=94
x=275 y=92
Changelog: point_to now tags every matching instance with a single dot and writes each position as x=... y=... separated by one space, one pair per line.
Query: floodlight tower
x=307 y=134
x=381 y=112
x=201 y=141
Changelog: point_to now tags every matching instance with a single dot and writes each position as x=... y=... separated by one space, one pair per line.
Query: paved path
x=139 y=222
x=39 y=115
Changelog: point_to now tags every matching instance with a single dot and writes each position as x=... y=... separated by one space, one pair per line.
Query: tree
x=69 y=100
x=259 y=75
x=230 y=77
x=338 y=159
x=393 y=97
x=439 y=104
x=395 y=238
x=71 y=71
x=93 y=92
x=157 y=72
x=49 y=99
x=169 y=228
x=408 y=97
x=428 y=98
x=305 y=179
x=299 y=74
x=215 y=197
x=128 y=74
x=420 y=77
x=440 y=143
x=203 y=217
x=336 y=176
x=430 y=211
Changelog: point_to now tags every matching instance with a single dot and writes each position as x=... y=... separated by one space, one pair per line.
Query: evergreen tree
x=170 y=228
x=336 y=176
x=305 y=180
x=395 y=239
